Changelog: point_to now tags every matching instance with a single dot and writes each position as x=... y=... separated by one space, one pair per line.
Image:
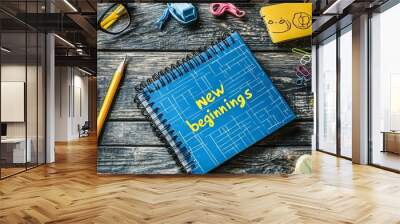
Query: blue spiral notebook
x=213 y=105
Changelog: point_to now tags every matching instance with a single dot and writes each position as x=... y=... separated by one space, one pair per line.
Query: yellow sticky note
x=288 y=21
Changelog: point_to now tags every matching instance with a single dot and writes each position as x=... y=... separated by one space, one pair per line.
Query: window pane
x=346 y=94
x=327 y=96
x=13 y=86
x=385 y=89
x=41 y=99
x=31 y=98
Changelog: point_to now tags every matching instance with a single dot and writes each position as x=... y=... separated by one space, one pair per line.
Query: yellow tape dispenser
x=287 y=21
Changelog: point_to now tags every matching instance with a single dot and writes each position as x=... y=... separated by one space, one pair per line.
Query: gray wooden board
x=131 y=133
x=142 y=65
x=129 y=146
x=157 y=160
x=143 y=35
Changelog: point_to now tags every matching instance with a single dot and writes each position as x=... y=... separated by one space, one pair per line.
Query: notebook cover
x=287 y=21
x=232 y=95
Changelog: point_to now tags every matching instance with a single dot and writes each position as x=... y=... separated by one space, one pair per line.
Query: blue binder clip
x=184 y=13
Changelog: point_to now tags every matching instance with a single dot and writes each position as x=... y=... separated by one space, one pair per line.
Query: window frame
x=339 y=32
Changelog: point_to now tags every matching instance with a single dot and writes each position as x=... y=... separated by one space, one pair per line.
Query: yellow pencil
x=112 y=90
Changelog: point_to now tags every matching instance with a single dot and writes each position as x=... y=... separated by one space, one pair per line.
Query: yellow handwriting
x=212 y=115
x=210 y=97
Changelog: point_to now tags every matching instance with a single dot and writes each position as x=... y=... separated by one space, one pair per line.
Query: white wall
x=12 y=73
x=33 y=126
x=71 y=94
x=15 y=73
x=80 y=110
x=61 y=103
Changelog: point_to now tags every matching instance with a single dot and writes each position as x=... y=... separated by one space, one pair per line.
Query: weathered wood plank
x=136 y=160
x=264 y=160
x=157 y=160
x=280 y=67
x=124 y=133
x=142 y=34
x=128 y=145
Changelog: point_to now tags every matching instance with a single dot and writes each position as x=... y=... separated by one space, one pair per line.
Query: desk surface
x=391 y=132
x=128 y=144
x=13 y=140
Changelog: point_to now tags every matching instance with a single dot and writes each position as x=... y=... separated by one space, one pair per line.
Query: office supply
x=115 y=19
x=303 y=75
x=287 y=21
x=108 y=99
x=305 y=56
x=299 y=51
x=213 y=105
x=184 y=13
x=12 y=101
x=219 y=9
x=113 y=16
x=391 y=141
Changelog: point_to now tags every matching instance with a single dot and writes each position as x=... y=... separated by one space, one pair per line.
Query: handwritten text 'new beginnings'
x=212 y=115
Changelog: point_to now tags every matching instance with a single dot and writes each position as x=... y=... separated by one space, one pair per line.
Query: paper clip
x=305 y=59
x=300 y=51
x=300 y=80
x=303 y=75
x=304 y=72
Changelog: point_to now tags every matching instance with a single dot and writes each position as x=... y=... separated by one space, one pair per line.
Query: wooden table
x=391 y=141
x=128 y=145
x=15 y=152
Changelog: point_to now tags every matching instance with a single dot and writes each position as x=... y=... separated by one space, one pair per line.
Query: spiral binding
x=162 y=78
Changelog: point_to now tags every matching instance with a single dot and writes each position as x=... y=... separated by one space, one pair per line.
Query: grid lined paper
x=237 y=70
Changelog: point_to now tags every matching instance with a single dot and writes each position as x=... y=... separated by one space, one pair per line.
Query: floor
x=5 y=172
x=387 y=159
x=10 y=171
x=70 y=191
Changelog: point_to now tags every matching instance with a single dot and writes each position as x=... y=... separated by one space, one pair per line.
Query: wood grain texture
x=132 y=133
x=280 y=66
x=157 y=160
x=136 y=160
x=128 y=144
x=174 y=36
x=70 y=191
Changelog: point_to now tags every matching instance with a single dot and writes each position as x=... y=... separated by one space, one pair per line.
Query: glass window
x=41 y=99
x=22 y=91
x=385 y=89
x=346 y=93
x=327 y=95
x=14 y=153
